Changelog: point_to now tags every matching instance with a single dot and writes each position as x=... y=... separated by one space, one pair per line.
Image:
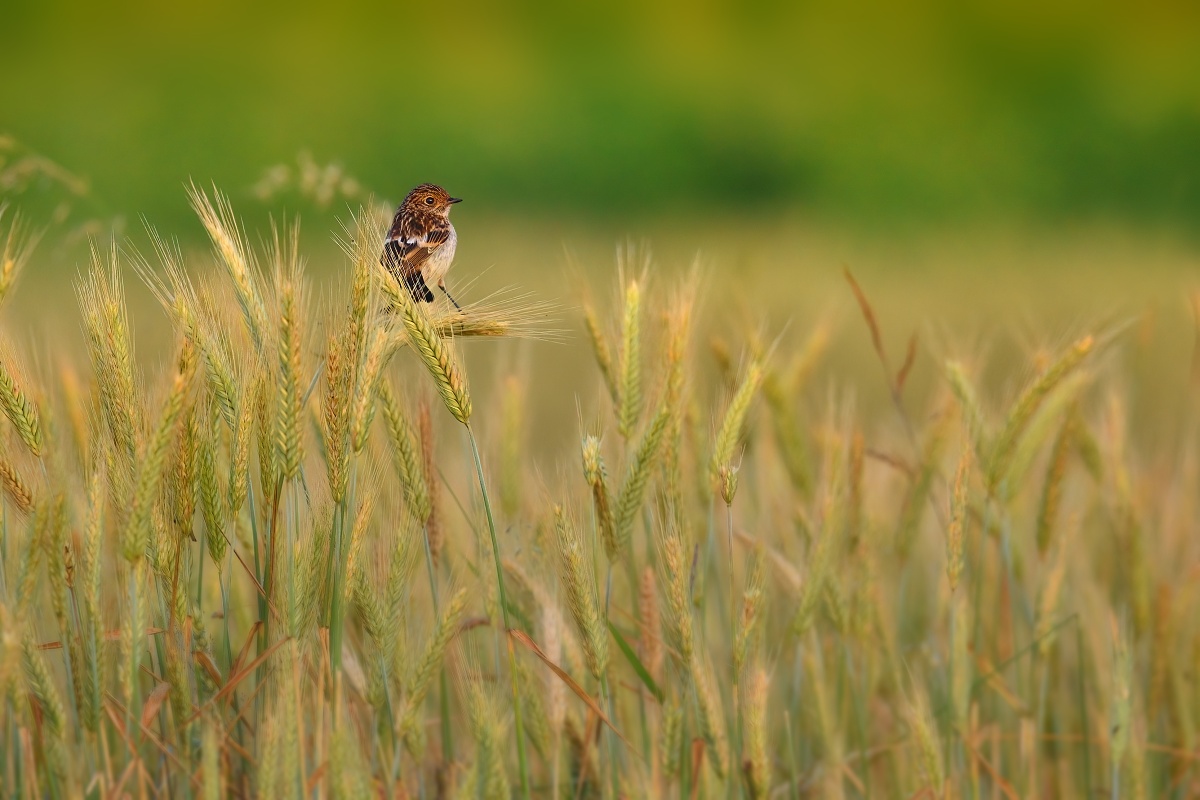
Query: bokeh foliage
x=869 y=111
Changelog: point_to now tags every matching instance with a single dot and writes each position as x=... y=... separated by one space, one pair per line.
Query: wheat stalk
x=601 y=351
x=235 y=255
x=136 y=535
x=430 y=661
x=580 y=588
x=1028 y=403
x=405 y=456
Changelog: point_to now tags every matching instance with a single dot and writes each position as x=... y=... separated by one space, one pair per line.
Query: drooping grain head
x=1047 y=520
x=236 y=256
x=968 y=399
x=727 y=483
x=730 y=431
x=16 y=489
x=41 y=687
x=601 y=351
x=18 y=405
x=1028 y=403
x=430 y=662
x=367 y=498
x=678 y=321
x=596 y=476
x=17 y=247
x=436 y=356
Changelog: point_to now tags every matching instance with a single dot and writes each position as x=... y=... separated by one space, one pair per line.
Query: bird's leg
x=442 y=286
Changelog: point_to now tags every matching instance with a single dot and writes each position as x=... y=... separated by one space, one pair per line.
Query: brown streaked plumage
x=420 y=244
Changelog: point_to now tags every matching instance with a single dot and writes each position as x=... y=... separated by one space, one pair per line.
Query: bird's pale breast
x=438 y=263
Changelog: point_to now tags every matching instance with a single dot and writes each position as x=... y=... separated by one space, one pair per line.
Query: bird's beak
x=454 y=200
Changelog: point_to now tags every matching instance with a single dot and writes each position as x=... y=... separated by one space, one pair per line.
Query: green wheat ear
x=735 y=416
x=19 y=407
x=631 y=362
x=176 y=614
x=434 y=353
x=580 y=588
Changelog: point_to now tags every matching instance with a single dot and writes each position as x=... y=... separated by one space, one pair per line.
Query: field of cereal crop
x=327 y=543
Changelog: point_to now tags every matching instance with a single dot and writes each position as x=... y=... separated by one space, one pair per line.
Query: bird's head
x=430 y=198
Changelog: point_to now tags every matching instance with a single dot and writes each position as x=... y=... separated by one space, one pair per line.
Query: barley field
x=302 y=557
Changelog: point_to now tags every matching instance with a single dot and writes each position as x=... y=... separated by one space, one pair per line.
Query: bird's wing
x=407 y=247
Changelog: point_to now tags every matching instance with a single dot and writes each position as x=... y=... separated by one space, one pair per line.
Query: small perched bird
x=420 y=245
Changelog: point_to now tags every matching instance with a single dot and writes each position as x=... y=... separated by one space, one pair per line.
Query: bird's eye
x=428 y=201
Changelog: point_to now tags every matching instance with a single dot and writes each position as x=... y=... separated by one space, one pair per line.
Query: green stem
x=794 y=780
x=261 y=644
x=340 y=557
x=1081 y=695
x=444 y=709
x=859 y=716
x=512 y=658
x=634 y=590
x=13 y=756
x=293 y=535
x=685 y=766
x=952 y=727
x=614 y=768
x=134 y=658
x=735 y=722
x=444 y=698
x=340 y=553
x=203 y=551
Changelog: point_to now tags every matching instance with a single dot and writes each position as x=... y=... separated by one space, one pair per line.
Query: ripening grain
x=270 y=567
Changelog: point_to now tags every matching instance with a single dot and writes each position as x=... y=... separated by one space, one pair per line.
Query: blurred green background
x=1020 y=168
x=873 y=112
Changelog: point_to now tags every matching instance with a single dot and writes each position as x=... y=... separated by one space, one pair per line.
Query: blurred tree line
x=871 y=112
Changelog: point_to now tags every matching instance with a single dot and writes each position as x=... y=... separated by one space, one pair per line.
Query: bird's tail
x=415 y=282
